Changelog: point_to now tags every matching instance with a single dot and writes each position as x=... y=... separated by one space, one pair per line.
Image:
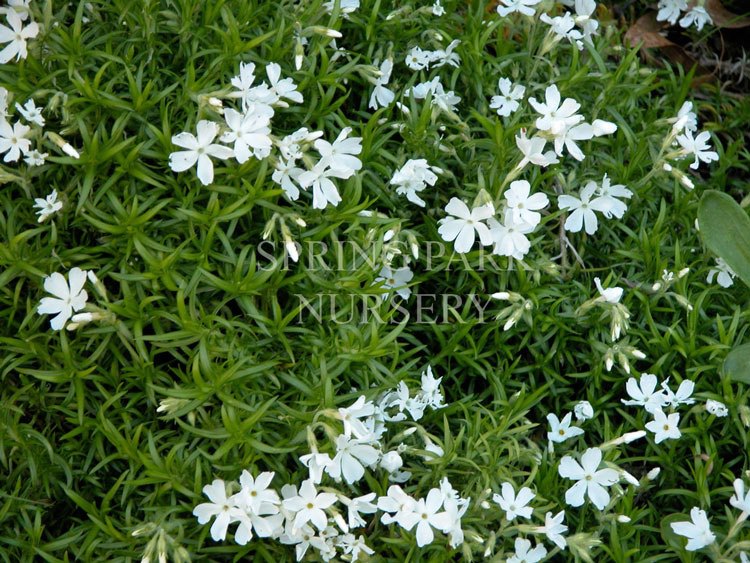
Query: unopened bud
x=292 y=250
x=653 y=474
x=327 y=31
x=623 y=519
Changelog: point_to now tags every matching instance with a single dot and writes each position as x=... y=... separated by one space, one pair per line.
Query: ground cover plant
x=365 y=280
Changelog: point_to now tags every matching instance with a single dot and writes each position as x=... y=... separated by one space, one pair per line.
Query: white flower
x=686 y=119
x=583 y=410
x=455 y=508
x=716 y=408
x=697 y=146
x=664 y=427
x=446 y=57
x=21 y=7
x=31 y=113
x=316 y=463
x=590 y=479
x=309 y=506
x=260 y=507
x=608 y=195
x=584 y=10
x=610 y=295
x=554 y=528
x=740 y=500
x=48 y=207
x=697 y=531
x=514 y=505
x=360 y=505
x=583 y=210
x=417 y=59
x=698 y=16
x=669 y=10
x=69 y=296
x=532 y=151
x=396 y=280
x=465 y=225
x=13 y=140
x=255 y=496
x=220 y=507
x=556 y=117
x=567 y=138
x=430 y=394
x=249 y=131
x=682 y=396
x=351 y=457
x=563 y=27
x=525 y=7
x=525 y=206
x=725 y=274
x=444 y=100
x=395 y=504
x=561 y=430
x=507 y=102
x=437 y=9
x=347 y=6
x=524 y=553
x=643 y=393
x=280 y=88
x=350 y=416
x=286 y=174
x=353 y=546
x=413 y=177
x=243 y=81
x=35 y=158
x=400 y=398
x=509 y=236
x=324 y=190
x=340 y=154
x=16 y=36
x=199 y=150
x=425 y=516
x=382 y=96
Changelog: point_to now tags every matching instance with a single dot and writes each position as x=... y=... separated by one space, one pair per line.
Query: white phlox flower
x=591 y=481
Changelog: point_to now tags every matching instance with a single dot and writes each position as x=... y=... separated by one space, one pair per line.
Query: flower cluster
x=310 y=516
x=248 y=130
x=695 y=14
x=643 y=393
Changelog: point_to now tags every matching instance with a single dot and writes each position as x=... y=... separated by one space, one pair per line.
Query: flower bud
x=391 y=462
x=602 y=127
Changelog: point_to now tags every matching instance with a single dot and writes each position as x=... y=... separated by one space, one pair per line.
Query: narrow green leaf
x=725 y=228
x=737 y=364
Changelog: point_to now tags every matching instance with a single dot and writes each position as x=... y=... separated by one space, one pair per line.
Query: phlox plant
x=362 y=280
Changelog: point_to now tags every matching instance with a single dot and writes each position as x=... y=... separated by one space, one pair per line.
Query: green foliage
x=726 y=231
x=211 y=329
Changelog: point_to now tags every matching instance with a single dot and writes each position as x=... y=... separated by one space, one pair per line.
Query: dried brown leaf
x=645 y=32
x=723 y=17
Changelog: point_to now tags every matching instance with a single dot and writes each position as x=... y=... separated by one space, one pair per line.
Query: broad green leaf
x=725 y=228
x=737 y=364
